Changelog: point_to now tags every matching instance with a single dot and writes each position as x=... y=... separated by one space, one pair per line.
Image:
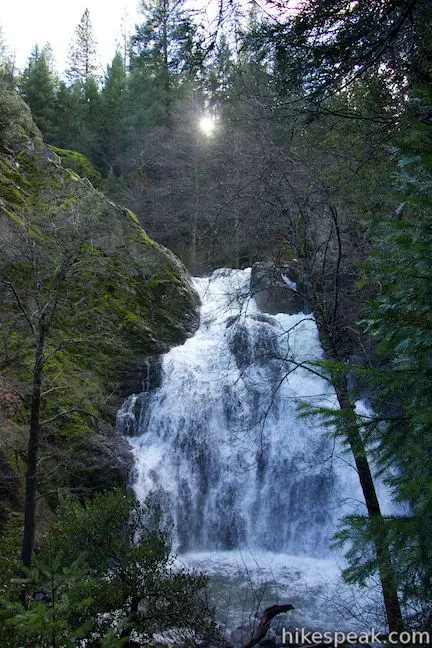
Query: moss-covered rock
x=80 y=164
x=18 y=132
x=116 y=296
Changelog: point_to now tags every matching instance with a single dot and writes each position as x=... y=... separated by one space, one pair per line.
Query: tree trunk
x=385 y=567
x=32 y=454
x=132 y=617
x=166 y=70
x=195 y=214
x=329 y=335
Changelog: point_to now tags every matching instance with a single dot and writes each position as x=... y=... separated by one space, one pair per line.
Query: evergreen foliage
x=82 y=55
x=399 y=318
x=38 y=87
x=104 y=572
x=112 y=114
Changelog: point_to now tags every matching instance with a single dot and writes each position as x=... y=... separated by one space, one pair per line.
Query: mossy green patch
x=115 y=296
x=78 y=163
x=132 y=215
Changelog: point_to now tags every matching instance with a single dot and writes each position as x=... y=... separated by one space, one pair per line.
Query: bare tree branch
x=264 y=624
x=20 y=305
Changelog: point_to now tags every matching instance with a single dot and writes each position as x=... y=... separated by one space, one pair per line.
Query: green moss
x=13 y=184
x=143 y=236
x=131 y=215
x=78 y=163
x=17 y=129
x=125 y=297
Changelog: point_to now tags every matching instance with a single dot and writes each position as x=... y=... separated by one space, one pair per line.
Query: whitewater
x=252 y=490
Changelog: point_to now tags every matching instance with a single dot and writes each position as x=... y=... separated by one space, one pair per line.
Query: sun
x=207 y=125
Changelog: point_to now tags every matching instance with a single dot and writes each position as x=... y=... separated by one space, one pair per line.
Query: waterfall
x=220 y=443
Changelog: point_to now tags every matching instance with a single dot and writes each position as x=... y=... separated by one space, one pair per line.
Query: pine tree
x=82 y=54
x=69 y=115
x=79 y=101
x=38 y=88
x=112 y=112
x=163 y=51
x=400 y=320
x=220 y=72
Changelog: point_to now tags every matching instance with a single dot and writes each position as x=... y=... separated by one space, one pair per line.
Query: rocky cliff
x=111 y=296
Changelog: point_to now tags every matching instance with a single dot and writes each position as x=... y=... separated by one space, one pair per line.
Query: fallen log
x=264 y=624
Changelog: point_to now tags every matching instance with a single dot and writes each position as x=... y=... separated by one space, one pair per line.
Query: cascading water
x=220 y=443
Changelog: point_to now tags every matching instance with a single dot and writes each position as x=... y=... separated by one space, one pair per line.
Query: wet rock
x=142 y=376
x=254 y=340
x=275 y=288
x=258 y=317
x=232 y=319
x=101 y=461
x=130 y=413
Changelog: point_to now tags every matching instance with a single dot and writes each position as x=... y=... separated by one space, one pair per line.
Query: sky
x=27 y=22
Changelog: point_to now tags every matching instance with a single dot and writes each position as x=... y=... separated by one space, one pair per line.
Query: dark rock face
x=102 y=461
x=130 y=413
x=252 y=344
x=275 y=288
x=142 y=376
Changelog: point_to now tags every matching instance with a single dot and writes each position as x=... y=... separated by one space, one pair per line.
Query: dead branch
x=20 y=305
x=264 y=624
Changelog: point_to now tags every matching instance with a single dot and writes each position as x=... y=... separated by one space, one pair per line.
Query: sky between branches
x=27 y=22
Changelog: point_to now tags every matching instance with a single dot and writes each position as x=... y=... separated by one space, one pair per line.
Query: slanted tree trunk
x=166 y=69
x=32 y=453
x=329 y=336
x=325 y=299
x=385 y=567
x=133 y=614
